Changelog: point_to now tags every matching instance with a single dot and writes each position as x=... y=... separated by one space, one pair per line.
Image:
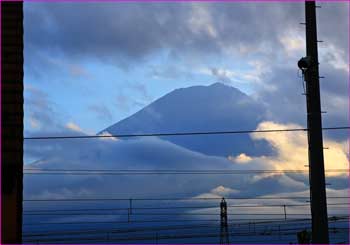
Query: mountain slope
x=200 y=108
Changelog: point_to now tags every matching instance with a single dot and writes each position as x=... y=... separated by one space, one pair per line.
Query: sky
x=95 y=64
x=89 y=65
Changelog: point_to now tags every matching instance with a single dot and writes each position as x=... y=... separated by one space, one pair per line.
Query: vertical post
x=314 y=125
x=224 y=235
x=285 y=212
x=11 y=121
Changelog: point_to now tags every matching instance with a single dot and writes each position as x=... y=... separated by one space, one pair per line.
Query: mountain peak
x=216 y=107
x=219 y=84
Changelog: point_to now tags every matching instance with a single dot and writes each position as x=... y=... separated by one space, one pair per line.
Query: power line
x=209 y=226
x=116 y=222
x=176 y=134
x=171 y=199
x=260 y=230
x=197 y=235
x=270 y=233
x=165 y=228
x=256 y=224
x=142 y=229
x=33 y=171
x=167 y=214
x=167 y=220
x=179 y=207
x=149 y=237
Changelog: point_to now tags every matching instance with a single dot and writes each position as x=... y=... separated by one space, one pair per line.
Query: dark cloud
x=114 y=31
x=286 y=104
x=333 y=25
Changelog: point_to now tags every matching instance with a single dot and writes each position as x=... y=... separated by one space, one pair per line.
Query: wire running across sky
x=177 y=199
x=177 y=134
x=237 y=229
x=39 y=171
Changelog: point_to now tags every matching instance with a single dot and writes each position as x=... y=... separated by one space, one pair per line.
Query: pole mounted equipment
x=305 y=63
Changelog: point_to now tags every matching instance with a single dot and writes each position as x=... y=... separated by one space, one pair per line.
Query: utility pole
x=224 y=235
x=309 y=65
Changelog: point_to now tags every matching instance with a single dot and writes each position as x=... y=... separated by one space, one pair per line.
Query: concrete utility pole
x=309 y=65
x=224 y=235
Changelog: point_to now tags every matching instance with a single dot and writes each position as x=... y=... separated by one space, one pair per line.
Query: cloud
x=201 y=21
x=44 y=116
x=336 y=57
x=222 y=75
x=264 y=36
x=102 y=112
x=291 y=150
x=39 y=111
x=110 y=136
x=74 y=127
x=218 y=192
x=293 y=42
x=152 y=154
x=286 y=104
x=241 y=158
x=107 y=32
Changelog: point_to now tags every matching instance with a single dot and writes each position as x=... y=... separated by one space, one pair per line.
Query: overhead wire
x=179 y=207
x=175 y=134
x=174 y=199
x=176 y=236
x=161 y=221
x=254 y=223
x=38 y=171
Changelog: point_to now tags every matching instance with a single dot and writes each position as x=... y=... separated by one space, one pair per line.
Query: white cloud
x=292 y=150
x=293 y=42
x=222 y=190
x=241 y=158
x=218 y=192
x=110 y=137
x=334 y=56
x=201 y=21
x=74 y=127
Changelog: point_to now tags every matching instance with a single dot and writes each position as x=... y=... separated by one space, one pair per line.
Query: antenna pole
x=224 y=235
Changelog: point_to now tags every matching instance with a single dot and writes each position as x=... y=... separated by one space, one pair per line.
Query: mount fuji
x=217 y=107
